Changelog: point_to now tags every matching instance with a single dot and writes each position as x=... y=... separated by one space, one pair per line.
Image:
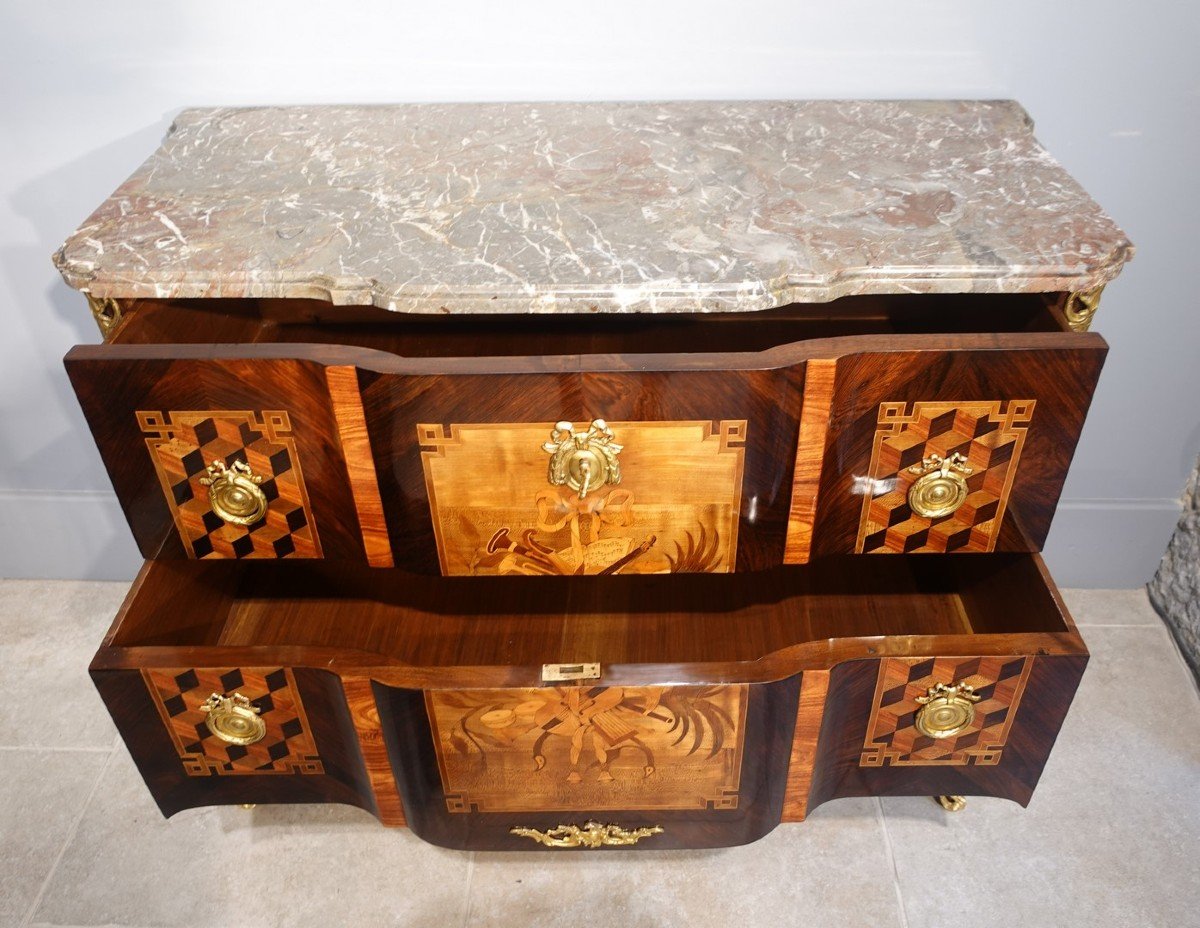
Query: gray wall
x=89 y=89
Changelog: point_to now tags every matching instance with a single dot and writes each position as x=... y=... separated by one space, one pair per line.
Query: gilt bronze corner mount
x=1080 y=308
x=107 y=313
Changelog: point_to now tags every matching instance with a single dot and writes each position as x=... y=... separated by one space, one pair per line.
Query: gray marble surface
x=596 y=207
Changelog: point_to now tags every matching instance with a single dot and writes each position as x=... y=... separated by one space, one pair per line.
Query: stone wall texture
x=1175 y=589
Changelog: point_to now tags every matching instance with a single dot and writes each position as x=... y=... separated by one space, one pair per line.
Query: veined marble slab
x=596 y=207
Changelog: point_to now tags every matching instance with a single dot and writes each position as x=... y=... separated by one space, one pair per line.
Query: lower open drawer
x=694 y=711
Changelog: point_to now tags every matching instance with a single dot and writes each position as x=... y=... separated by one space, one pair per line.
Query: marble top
x=609 y=207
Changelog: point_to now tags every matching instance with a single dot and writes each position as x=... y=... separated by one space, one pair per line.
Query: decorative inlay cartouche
x=947 y=500
x=586 y=207
x=670 y=504
x=919 y=719
x=558 y=748
x=258 y=728
x=258 y=507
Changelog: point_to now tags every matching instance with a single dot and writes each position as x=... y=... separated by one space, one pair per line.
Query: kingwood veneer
x=596 y=475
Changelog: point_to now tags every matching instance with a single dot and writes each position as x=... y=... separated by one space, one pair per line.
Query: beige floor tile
x=1111 y=607
x=1113 y=833
x=49 y=631
x=831 y=870
x=291 y=866
x=41 y=795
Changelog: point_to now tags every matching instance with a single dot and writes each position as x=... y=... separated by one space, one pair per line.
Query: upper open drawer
x=569 y=445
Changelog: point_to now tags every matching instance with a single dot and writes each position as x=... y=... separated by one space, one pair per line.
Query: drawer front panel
x=478 y=768
x=946 y=725
x=943 y=451
x=560 y=748
x=502 y=500
x=946 y=444
x=481 y=474
x=283 y=743
x=305 y=749
x=221 y=459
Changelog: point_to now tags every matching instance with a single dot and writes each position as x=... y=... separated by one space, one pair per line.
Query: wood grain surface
x=400 y=671
x=360 y=700
x=785 y=492
x=814 y=686
x=385 y=639
x=441 y=817
x=820 y=374
x=673 y=504
x=360 y=465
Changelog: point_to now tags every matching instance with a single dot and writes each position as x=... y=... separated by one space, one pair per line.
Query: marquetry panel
x=287 y=747
x=675 y=509
x=892 y=736
x=990 y=435
x=182 y=444
x=563 y=748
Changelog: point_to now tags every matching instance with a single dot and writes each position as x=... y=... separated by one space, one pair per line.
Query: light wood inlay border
x=819 y=378
x=814 y=685
x=601 y=748
x=360 y=464
x=677 y=507
x=365 y=715
x=912 y=432
x=179 y=692
x=892 y=736
x=172 y=439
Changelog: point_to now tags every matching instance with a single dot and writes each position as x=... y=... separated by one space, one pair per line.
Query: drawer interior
x=221 y=321
x=656 y=619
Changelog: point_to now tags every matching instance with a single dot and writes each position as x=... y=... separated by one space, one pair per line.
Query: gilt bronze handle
x=234 y=493
x=942 y=487
x=592 y=834
x=233 y=719
x=583 y=461
x=946 y=711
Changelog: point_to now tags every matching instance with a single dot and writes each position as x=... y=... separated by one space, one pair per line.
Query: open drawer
x=542 y=446
x=710 y=708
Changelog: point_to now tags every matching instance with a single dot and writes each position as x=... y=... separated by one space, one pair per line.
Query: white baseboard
x=65 y=535
x=1093 y=543
x=1109 y=544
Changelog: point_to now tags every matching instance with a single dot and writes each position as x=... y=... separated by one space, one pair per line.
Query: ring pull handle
x=233 y=719
x=234 y=492
x=583 y=461
x=946 y=711
x=942 y=488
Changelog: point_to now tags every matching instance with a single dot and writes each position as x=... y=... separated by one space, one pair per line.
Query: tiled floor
x=1112 y=836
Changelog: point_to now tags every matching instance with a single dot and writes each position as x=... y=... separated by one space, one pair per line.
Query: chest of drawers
x=591 y=475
